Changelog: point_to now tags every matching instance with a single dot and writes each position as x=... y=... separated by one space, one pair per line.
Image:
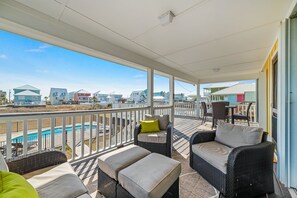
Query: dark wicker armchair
x=163 y=148
x=249 y=169
x=35 y=161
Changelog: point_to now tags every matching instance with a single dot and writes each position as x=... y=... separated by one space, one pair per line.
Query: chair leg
x=248 y=122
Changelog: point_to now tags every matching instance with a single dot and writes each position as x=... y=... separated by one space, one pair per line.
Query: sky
x=27 y=61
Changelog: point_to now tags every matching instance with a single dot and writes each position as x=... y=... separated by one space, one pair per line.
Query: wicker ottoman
x=153 y=176
x=111 y=163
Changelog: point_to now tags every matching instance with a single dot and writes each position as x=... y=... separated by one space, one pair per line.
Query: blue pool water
x=46 y=133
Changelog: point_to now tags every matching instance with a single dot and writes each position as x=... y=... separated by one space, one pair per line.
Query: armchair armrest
x=31 y=162
x=169 y=139
x=251 y=167
x=136 y=132
x=202 y=136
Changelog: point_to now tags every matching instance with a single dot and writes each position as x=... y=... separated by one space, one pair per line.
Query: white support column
x=198 y=100
x=150 y=89
x=171 y=103
x=171 y=97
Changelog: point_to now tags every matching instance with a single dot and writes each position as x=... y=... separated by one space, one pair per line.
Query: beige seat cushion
x=151 y=176
x=56 y=181
x=111 y=163
x=235 y=135
x=156 y=137
x=214 y=153
x=163 y=120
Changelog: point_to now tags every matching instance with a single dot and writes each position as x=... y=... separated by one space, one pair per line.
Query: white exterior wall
x=262 y=100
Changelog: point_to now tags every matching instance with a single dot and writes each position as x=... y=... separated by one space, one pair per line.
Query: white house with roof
x=236 y=94
x=114 y=97
x=58 y=96
x=102 y=97
x=138 y=96
x=27 y=95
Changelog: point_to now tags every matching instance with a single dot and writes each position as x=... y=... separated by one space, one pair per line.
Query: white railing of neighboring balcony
x=94 y=130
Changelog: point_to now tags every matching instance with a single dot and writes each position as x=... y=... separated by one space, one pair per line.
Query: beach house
x=27 y=95
x=82 y=96
x=101 y=97
x=58 y=96
x=114 y=97
x=138 y=96
x=235 y=94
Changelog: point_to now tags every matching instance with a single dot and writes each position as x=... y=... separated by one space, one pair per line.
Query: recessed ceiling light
x=216 y=70
x=166 y=18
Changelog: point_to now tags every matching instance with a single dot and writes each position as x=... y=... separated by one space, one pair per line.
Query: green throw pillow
x=149 y=126
x=15 y=186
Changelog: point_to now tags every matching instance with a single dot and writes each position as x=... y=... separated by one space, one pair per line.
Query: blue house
x=27 y=95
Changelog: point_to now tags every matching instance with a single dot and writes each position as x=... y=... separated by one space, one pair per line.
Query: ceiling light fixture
x=166 y=18
x=216 y=70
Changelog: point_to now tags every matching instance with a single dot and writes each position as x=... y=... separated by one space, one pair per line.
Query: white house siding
x=58 y=95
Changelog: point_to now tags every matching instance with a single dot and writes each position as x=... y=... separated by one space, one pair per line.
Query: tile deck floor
x=191 y=183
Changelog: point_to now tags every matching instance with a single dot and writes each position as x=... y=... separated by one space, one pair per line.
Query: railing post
x=8 y=139
x=39 y=128
x=198 y=101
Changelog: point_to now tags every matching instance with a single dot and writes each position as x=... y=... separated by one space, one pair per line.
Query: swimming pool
x=46 y=133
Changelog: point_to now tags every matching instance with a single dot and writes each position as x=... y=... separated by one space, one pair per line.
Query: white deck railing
x=190 y=109
x=185 y=109
x=242 y=109
x=94 y=131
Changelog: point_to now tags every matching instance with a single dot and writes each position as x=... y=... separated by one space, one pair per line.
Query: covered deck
x=191 y=183
x=207 y=42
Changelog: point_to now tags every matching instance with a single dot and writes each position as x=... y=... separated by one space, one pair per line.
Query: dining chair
x=219 y=112
x=244 y=117
x=205 y=112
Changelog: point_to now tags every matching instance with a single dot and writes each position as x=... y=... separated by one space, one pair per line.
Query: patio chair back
x=226 y=109
x=248 y=109
x=204 y=108
x=219 y=110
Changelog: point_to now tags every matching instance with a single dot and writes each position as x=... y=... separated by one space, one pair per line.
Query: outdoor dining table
x=232 y=107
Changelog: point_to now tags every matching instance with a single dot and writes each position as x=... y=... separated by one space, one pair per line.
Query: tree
x=94 y=99
x=3 y=100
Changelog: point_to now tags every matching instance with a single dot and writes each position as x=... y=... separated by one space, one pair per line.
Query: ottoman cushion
x=151 y=176
x=111 y=163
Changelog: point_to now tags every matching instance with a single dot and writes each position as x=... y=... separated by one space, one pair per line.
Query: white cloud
x=3 y=56
x=39 y=49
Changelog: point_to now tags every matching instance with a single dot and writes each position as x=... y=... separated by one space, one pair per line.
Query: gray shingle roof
x=236 y=89
x=27 y=93
x=27 y=87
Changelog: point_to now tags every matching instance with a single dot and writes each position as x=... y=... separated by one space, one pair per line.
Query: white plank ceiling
x=232 y=37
